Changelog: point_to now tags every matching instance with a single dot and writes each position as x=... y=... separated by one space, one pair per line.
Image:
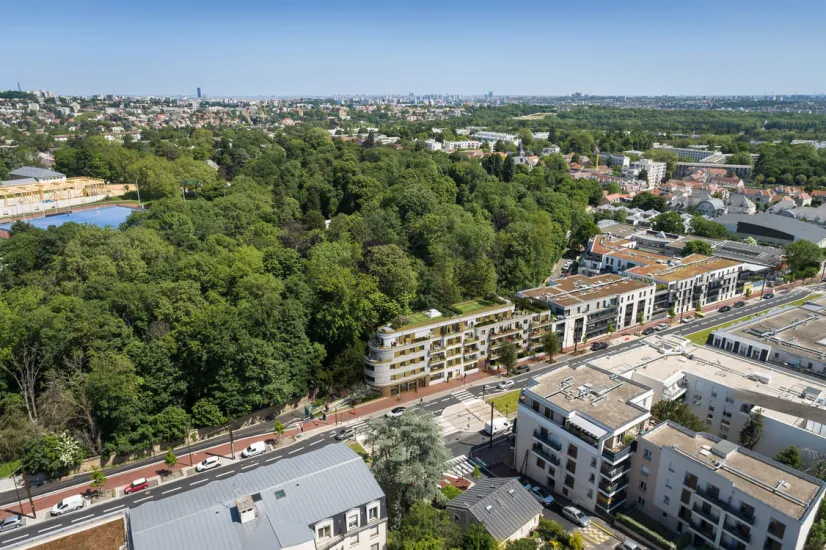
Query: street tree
x=508 y=355
x=550 y=344
x=98 y=478
x=278 y=428
x=804 y=259
x=170 y=459
x=697 y=247
x=409 y=458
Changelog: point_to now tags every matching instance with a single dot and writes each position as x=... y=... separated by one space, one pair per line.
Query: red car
x=135 y=486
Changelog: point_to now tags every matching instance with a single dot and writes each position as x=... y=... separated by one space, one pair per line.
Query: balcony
x=743 y=533
x=609 y=488
x=709 y=514
x=555 y=445
x=581 y=434
x=615 y=454
x=724 y=505
x=704 y=530
x=614 y=473
x=549 y=456
x=690 y=482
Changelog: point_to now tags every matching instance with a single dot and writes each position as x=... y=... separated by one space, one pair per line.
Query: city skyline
x=538 y=49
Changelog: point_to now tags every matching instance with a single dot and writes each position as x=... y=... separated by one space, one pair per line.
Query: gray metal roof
x=511 y=506
x=317 y=485
x=20 y=181
x=796 y=228
x=37 y=173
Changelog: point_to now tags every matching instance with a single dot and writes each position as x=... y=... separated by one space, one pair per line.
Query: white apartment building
x=463 y=144
x=593 y=306
x=696 y=153
x=496 y=136
x=723 y=495
x=723 y=390
x=615 y=160
x=656 y=170
x=575 y=434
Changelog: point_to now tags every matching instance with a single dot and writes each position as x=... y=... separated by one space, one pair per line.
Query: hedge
x=645 y=532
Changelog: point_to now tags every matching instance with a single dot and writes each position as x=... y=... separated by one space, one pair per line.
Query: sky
x=321 y=47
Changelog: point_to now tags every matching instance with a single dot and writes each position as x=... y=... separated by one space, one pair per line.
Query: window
x=641 y=501
x=590 y=493
x=665 y=516
x=592 y=478
x=776 y=529
x=372 y=512
x=729 y=400
x=647 y=454
x=353 y=520
x=374 y=546
x=668 y=483
x=565 y=491
x=373 y=532
x=569 y=481
x=593 y=462
x=666 y=499
x=671 y=467
x=643 y=486
x=644 y=470
x=325 y=531
x=354 y=540
x=540 y=463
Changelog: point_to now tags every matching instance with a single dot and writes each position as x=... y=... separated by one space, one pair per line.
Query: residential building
x=575 y=432
x=725 y=496
x=40 y=175
x=793 y=337
x=696 y=153
x=615 y=160
x=655 y=170
x=493 y=137
x=773 y=229
x=323 y=500
x=738 y=203
x=810 y=214
x=505 y=508
x=739 y=170
x=712 y=208
x=724 y=388
x=593 y=306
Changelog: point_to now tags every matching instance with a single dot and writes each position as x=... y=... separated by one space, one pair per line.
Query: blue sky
x=272 y=47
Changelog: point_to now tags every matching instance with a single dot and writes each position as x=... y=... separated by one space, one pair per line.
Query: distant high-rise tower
x=490 y=95
x=199 y=93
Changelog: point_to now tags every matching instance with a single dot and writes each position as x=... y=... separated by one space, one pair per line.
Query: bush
x=645 y=532
x=205 y=412
x=450 y=492
x=549 y=530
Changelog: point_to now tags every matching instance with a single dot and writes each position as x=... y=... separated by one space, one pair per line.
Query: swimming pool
x=105 y=216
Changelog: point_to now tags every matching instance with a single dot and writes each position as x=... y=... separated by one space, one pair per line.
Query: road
x=459 y=444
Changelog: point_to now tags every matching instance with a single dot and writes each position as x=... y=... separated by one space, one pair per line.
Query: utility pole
x=231 y=441
x=28 y=493
x=490 y=445
x=138 y=189
x=189 y=444
x=17 y=491
x=763 y=289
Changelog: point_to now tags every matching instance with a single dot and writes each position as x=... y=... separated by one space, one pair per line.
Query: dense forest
x=261 y=286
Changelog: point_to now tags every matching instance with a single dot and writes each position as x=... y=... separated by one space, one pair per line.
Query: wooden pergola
x=70 y=188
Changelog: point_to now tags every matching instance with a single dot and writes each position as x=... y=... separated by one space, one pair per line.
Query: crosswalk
x=465 y=396
x=460 y=466
x=447 y=427
x=593 y=535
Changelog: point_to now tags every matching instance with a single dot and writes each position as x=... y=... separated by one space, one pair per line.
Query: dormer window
x=353 y=518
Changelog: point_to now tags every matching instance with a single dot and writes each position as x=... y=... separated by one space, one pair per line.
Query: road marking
x=273 y=458
x=295 y=451
x=225 y=473
x=249 y=466
x=12 y=540
x=84 y=517
x=316 y=441
x=142 y=499
x=199 y=481
x=50 y=528
x=115 y=508
x=172 y=490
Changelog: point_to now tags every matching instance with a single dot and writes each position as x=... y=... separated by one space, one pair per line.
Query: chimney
x=246 y=508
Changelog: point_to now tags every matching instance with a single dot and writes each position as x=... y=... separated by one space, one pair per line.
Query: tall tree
x=550 y=344
x=804 y=259
x=752 y=431
x=790 y=456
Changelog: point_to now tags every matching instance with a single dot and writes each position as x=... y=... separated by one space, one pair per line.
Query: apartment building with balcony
x=576 y=432
x=723 y=495
x=681 y=283
x=591 y=306
x=724 y=389
x=436 y=346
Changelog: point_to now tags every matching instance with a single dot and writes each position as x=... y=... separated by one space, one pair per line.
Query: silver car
x=11 y=522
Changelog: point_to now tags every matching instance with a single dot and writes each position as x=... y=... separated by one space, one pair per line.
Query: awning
x=586 y=426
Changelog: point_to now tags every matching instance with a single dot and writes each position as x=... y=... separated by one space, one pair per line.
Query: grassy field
x=356 y=446
x=7 y=468
x=535 y=116
x=506 y=403
x=108 y=536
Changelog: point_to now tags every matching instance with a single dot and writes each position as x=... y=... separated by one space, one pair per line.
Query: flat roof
x=799 y=330
x=424 y=318
x=686 y=268
x=593 y=393
x=770 y=482
x=579 y=289
x=781 y=395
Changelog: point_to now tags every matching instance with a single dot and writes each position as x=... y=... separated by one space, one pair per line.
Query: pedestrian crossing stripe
x=594 y=535
x=465 y=396
x=446 y=426
x=460 y=466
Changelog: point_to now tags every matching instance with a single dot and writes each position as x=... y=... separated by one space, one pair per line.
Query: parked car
x=346 y=433
x=138 y=485
x=661 y=327
x=598 y=346
x=11 y=522
x=68 y=504
x=687 y=319
x=500 y=425
x=542 y=496
x=396 y=412
x=505 y=385
x=739 y=304
x=208 y=464
x=576 y=515
x=769 y=296
x=649 y=331
x=724 y=309
x=629 y=544
x=254 y=449
x=524 y=482
x=522 y=369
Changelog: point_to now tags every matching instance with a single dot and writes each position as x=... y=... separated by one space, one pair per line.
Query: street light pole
x=17 y=491
x=189 y=444
x=490 y=445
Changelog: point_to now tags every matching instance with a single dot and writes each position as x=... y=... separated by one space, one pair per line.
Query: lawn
x=473 y=306
x=107 y=536
x=506 y=403
x=356 y=446
x=8 y=468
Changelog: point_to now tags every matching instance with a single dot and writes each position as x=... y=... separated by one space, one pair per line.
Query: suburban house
x=502 y=505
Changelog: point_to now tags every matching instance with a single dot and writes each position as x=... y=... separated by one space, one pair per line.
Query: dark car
x=739 y=304
x=769 y=296
x=725 y=309
x=11 y=522
x=522 y=369
x=598 y=346
x=649 y=331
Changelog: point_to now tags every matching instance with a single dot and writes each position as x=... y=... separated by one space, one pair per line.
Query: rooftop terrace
x=437 y=316
x=579 y=289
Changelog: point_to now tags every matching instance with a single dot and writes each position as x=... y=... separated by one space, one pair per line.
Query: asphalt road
x=459 y=444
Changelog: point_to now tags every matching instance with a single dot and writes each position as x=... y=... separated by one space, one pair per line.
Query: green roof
x=465 y=308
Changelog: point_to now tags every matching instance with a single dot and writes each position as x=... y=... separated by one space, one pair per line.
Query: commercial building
x=33 y=174
x=794 y=337
x=723 y=495
x=323 y=500
x=773 y=229
x=575 y=434
x=593 y=306
x=724 y=389
x=505 y=508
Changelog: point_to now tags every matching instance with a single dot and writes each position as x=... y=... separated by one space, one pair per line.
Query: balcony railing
x=540 y=450
x=555 y=445
x=739 y=532
x=708 y=532
x=613 y=486
x=615 y=472
x=615 y=454
x=709 y=515
x=724 y=505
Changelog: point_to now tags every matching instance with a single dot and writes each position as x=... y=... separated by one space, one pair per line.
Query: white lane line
x=12 y=540
x=142 y=499
x=225 y=473
x=172 y=490
x=316 y=441
x=115 y=508
x=199 y=481
x=295 y=451
x=84 y=517
x=273 y=458
x=249 y=466
x=50 y=528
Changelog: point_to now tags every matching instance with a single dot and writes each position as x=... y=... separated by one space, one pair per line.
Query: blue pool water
x=106 y=216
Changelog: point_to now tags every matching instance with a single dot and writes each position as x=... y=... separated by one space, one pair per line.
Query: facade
x=323 y=500
x=493 y=137
x=723 y=495
x=712 y=208
x=656 y=170
x=693 y=153
x=575 y=432
x=740 y=170
x=615 y=160
x=592 y=306
x=773 y=229
x=502 y=505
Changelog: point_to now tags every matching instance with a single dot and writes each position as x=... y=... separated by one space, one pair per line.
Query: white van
x=500 y=425
x=68 y=504
x=254 y=449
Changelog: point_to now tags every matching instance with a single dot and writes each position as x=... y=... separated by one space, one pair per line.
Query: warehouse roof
x=36 y=173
